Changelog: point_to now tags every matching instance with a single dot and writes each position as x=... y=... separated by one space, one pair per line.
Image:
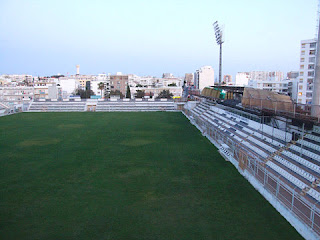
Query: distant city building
x=60 y=86
x=16 y=94
x=204 y=77
x=293 y=89
x=83 y=79
x=242 y=78
x=167 y=75
x=189 y=78
x=307 y=70
x=266 y=76
x=275 y=76
x=270 y=85
x=152 y=86
x=227 y=79
x=259 y=75
x=293 y=84
x=292 y=74
x=119 y=82
x=69 y=86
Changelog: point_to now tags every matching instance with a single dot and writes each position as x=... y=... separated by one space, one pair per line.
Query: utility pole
x=220 y=40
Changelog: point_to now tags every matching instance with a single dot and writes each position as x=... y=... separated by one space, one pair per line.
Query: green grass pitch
x=123 y=176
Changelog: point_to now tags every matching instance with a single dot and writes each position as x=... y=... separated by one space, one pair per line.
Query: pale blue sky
x=147 y=37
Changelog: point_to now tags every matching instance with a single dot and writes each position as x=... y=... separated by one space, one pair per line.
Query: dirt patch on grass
x=66 y=126
x=136 y=142
x=39 y=142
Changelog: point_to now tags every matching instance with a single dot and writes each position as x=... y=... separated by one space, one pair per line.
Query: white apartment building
x=242 y=78
x=271 y=85
x=50 y=91
x=307 y=70
x=153 y=85
x=246 y=78
x=68 y=86
x=16 y=95
x=204 y=77
x=259 y=75
x=155 y=91
x=293 y=89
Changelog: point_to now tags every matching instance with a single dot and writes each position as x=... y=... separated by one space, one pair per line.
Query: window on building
x=310 y=80
x=303 y=45
x=300 y=93
x=300 y=80
x=312 y=59
x=301 y=73
x=310 y=88
x=311 y=66
x=312 y=52
x=313 y=45
x=301 y=66
x=309 y=95
x=311 y=74
x=303 y=52
x=301 y=59
x=300 y=87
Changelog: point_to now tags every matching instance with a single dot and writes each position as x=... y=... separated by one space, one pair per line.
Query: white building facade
x=204 y=77
x=307 y=70
x=68 y=86
x=271 y=85
x=242 y=78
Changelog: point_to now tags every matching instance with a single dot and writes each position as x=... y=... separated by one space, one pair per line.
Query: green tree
x=165 y=94
x=140 y=94
x=83 y=93
x=101 y=87
x=116 y=93
x=128 y=94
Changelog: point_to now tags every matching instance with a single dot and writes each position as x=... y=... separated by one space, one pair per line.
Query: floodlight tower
x=219 y=39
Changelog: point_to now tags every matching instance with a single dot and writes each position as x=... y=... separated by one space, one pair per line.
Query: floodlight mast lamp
x=219 y=40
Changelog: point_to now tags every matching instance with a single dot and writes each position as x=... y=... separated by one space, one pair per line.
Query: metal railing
x=248 y=161
x=288 y=109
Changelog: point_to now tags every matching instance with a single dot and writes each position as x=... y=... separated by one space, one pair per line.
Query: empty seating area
x=135 y=106
x=48 y=106
x=200 y=108
x=101 y=106
x=297 y=163
x=252 y=140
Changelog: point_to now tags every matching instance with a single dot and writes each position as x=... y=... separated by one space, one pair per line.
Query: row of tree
x=87 y=93
x=164 y=94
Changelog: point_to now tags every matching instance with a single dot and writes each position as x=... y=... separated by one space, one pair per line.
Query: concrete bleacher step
x=274 y=148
